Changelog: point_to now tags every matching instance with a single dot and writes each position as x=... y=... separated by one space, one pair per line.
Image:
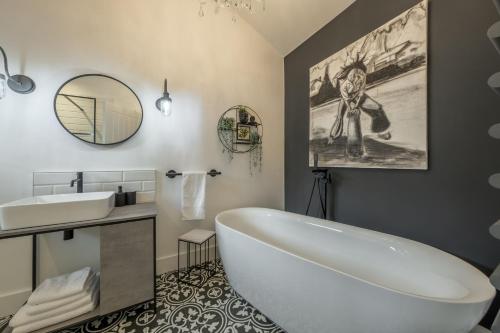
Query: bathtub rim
x=475 y=299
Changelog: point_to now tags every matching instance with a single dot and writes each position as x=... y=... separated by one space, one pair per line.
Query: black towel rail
x=172 y=173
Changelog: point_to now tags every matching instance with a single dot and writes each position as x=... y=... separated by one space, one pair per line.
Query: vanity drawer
x=127 y=265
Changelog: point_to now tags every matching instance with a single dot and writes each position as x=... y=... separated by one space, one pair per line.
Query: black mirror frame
x=108 y=77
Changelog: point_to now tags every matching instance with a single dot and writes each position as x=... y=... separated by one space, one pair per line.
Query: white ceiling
x=288 y=23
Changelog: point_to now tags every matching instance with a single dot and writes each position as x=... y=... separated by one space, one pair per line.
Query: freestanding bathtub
x=311 y=275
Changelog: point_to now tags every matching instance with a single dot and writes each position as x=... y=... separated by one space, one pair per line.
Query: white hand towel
x=61 y=286
x=59 y=318
x=193 y=195
x=33 y=310
x=23 y=317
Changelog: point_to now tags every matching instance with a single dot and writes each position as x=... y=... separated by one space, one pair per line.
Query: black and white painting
x=368 y=102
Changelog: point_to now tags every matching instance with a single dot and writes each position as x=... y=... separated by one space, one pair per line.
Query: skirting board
x=10 y=303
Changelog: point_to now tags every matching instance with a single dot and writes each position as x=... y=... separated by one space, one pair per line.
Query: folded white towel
x=33 y=310
x=23 y=316
x=59 y=318
x=193 y=195
x=61 y=286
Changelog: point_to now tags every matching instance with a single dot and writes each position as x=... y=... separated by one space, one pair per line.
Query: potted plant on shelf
x=226 y=127
x=243 y=115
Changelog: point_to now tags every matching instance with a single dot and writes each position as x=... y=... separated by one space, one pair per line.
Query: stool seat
x=197 y=236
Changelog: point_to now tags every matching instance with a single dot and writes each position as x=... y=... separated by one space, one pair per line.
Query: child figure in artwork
x=351 y=82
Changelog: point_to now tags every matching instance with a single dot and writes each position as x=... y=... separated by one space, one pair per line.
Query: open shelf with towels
x=127 y=248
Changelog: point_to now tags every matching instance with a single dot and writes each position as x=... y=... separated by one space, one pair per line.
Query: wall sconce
x=164 y=104
x=19 y=83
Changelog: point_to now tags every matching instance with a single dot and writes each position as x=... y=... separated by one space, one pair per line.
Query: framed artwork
x=243 y=133
x=368 y=102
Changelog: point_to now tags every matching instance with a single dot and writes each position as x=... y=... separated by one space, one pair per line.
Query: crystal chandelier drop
x=248 y=5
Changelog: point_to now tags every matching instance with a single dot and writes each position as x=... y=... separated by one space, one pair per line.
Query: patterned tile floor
x=213 y=308
x=3 y=322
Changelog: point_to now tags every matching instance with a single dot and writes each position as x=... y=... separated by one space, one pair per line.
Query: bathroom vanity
x=127 y=258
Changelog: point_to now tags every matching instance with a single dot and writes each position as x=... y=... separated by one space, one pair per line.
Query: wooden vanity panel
x=127 y=265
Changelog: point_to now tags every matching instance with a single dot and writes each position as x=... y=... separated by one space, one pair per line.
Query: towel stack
x=57 y=300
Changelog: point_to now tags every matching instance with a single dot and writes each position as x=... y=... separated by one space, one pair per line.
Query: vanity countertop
x=118 y=215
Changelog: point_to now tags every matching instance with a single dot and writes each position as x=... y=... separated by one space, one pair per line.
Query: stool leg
x=207 y=253
x=215 y=254
x=199 y=267
x=189 y=261
x=178 y=260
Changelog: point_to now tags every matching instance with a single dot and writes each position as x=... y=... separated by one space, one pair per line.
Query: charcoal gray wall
x=450 y=206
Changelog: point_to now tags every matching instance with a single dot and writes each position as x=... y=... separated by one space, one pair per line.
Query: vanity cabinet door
x=127 y=265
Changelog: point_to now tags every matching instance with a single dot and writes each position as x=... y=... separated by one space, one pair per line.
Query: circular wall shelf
x=240 y=129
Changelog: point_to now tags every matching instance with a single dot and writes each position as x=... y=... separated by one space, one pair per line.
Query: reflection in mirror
x=98 y=109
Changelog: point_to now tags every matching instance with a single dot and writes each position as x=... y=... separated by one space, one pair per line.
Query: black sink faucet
x=78 y=181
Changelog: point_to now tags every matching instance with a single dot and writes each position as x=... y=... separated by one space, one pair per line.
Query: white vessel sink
x=54 y=209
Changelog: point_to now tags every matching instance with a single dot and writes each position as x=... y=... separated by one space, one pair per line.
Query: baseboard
x=10 y=303
x=168 y=263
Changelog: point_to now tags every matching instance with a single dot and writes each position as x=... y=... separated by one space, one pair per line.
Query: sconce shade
x=21 y=84
x=166 y=106
x=165 y=102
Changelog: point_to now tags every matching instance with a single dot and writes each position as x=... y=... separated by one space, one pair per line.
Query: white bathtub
x=311 y=275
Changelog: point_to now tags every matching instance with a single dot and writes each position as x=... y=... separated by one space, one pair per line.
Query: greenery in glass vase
x=226 y=127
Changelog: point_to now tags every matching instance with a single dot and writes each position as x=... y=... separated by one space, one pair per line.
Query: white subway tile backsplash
x=141 y=181
x=43 y=190
x=132 y=186
x=148 y=186
x=64 y=189
x=146 y=175
x=92 y=187
x=53 y=178
x=111 y=187
x=102 y=176
x=143 y=197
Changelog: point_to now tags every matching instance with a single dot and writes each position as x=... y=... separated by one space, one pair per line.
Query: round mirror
x=98 y=109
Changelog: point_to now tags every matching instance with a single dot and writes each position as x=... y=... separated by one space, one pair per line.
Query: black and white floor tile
x=181 y=308
x=3 y=322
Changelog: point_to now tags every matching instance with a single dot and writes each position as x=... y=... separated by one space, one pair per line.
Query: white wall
x=211 y=63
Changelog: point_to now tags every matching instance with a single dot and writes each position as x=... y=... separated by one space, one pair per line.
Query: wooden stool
x=200 y=239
